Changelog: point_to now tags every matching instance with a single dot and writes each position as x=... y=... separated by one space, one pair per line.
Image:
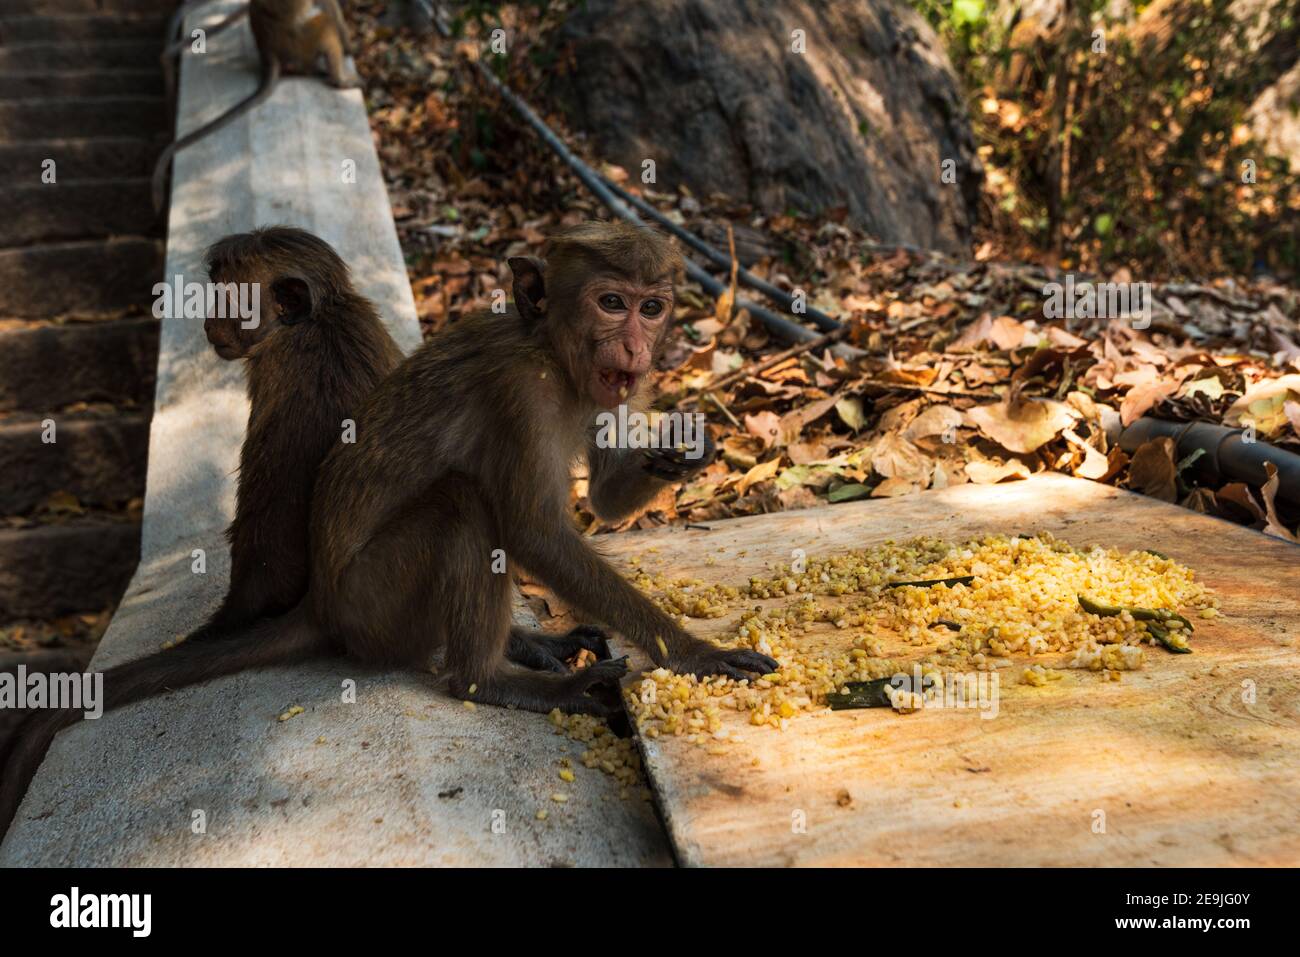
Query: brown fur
x=288 y=41
x=304 y=379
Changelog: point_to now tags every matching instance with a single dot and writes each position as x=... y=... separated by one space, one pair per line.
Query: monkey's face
x=628 y=322
x=223 y=324
x=247 y=308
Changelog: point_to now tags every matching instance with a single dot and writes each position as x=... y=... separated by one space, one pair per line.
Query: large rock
x=713 y=93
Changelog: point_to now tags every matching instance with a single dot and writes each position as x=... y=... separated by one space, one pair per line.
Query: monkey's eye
x=611 y=303
x=652 y=308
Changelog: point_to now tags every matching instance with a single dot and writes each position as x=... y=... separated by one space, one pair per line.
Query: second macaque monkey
x=312 y=355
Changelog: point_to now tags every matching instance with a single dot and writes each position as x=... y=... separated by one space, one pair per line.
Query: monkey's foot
x=546 y=652
x=732 y=662
x=347 y=78
x=593 y=690
x=596 y=689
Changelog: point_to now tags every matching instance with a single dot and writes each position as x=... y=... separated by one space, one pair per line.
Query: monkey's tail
x=270 y=75
x=272 y=641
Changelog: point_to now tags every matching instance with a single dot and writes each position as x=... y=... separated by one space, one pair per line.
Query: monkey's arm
x=623 y=480
x=544 y=542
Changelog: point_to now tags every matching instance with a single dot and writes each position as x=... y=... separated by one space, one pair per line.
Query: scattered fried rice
x=1022 y=603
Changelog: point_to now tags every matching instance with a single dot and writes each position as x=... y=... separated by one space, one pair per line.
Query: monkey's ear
x=529 y=287
x=293 y=302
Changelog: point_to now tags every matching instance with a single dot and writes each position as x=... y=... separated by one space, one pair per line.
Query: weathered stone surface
x=712 y=92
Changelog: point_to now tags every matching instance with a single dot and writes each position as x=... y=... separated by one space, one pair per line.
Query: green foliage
x=1132 y=155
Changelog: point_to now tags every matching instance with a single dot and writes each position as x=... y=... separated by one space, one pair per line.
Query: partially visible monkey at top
x=462 y=453
x=291 y=36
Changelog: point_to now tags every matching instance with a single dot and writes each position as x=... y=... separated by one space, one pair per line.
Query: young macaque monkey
x=460 y=470
x=313 y=353
x=463 y=455
x=291 y=36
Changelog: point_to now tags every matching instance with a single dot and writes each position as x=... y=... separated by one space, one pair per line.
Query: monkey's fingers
x=735 y=663
x=672 y=467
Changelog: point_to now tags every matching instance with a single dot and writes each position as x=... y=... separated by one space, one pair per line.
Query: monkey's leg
x=426 y=579
x=336 y=15
x=336 y=64
x=547 y=652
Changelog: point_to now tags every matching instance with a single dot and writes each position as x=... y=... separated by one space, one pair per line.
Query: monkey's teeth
x=622 y=392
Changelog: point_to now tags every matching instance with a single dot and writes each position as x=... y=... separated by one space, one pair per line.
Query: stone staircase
x=80 y=84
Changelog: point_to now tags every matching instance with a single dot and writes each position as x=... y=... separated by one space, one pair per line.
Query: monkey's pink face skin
x=629 y=322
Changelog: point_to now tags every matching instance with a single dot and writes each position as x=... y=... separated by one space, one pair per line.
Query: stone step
x=77 y=116
x=47 y=366
x=50 y=570
x=76 y=210
x=121 y=157
x=105 y=7
x=82 y=27
x=100 y=460
x=110 y=54
x=123 y=82
x=87 y=279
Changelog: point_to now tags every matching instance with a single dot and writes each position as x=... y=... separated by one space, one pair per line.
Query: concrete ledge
x=406 y=775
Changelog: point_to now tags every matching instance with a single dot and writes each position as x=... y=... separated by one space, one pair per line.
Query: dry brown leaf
x=1094 y=465
x=1141 y=398
x=802 y=453
x=990 y=473
x=765 y=426
x=935 y=420
x=893 y=487
x=1237 y=495
x=793 y=423
x=1201 y=500
x=759 y=473
x=895 y=457
x=1002 y=333
x=1268 y=492
x=1023 y=426
x=1154 y=469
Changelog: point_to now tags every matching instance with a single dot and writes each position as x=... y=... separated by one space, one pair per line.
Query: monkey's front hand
x=674 y=463
x=736 y=663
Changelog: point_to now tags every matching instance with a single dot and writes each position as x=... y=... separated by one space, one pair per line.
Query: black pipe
x=1228 y=454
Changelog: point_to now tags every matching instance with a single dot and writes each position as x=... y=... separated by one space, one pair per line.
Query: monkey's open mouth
x=618 y=383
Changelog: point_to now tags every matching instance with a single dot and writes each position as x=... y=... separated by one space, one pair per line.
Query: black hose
x=1228 y=454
